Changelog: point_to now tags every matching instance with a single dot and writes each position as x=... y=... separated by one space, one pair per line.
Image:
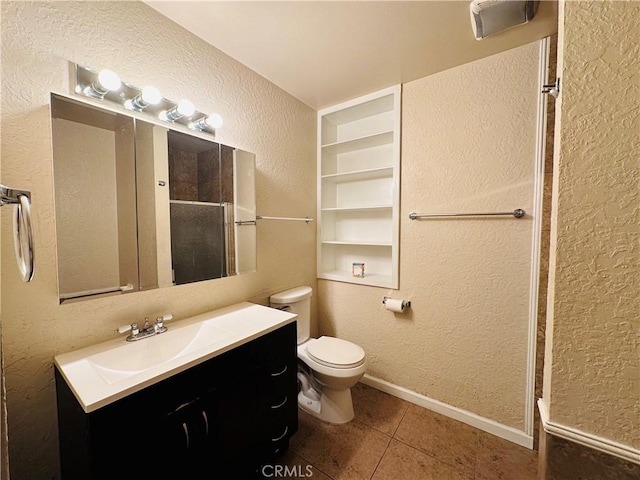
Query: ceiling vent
x=489 y=17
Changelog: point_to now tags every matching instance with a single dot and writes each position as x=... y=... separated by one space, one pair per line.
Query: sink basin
x=132 y=358
x=106 y=372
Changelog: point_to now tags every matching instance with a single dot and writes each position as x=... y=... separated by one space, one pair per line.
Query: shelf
x=368 y=141
x=355 y=242
x=361 y=108
x=369 y=279
x=357 y=209
x=359 y=175
x=359 y=189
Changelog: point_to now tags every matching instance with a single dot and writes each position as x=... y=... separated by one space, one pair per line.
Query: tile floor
x=391 y=439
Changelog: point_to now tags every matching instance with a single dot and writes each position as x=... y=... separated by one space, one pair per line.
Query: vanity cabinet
x=222 y=418
x=358 y=189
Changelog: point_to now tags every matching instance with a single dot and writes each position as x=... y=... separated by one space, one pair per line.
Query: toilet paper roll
x=394 y=305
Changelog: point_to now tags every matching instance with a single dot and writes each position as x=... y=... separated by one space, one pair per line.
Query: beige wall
x=592 y=372
x=142 y=46
x=4 y=445
x=468 y=145
x=4 y=448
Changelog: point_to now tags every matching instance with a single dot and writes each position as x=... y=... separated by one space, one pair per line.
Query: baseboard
x=587 y=439
x=490 y=426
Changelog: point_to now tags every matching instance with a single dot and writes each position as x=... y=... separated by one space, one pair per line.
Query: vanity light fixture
x=149 y=96
x=105 y=82
x=211 y=122
x=106 y=86
x=184 y=108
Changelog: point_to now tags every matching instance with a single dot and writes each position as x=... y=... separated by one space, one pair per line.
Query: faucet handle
x=160 y=322
x=164 y=318
x=126 y=328
x=123 y=329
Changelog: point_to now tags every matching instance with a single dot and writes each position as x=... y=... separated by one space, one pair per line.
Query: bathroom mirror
x=141 y=206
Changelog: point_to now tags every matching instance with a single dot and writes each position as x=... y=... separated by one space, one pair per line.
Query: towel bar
x=517 y=213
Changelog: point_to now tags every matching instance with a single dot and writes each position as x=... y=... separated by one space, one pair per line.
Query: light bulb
x=106 y=81
x=109 y=80
x=184 y=108
x=212 y=122
x=151 y=95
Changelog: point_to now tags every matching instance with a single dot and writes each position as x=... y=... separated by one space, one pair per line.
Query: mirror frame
x=239 y=223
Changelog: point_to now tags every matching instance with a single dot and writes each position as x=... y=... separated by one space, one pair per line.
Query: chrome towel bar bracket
x=22 y=230
x=517 y=213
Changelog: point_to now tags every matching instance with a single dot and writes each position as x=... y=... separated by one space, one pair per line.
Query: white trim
x=391 y=280
x=394 y=89
x=395 y=212
x=586 y=439
x=490 y=426
x=538 y=186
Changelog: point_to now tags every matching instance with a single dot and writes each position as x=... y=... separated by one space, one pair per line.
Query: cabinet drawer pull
x=277 y=374
x=186 y=433
x=286 y=429
x=206 y=424
x=281 y=404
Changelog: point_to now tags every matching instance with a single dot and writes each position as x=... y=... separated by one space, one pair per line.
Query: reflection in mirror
x=141 y=206
x=199 y=215
x=95 y=200
x=244 y=199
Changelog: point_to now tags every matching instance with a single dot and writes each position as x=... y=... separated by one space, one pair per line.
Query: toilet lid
x=333 y=352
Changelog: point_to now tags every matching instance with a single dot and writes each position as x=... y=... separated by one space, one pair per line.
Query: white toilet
x=330 y=366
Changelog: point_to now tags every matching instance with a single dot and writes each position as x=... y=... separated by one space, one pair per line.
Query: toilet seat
x=335 y=353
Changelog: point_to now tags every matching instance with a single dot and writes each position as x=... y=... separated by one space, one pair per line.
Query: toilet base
x=336 y=406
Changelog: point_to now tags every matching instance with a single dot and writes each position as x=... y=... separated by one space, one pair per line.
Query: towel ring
x=23 y=237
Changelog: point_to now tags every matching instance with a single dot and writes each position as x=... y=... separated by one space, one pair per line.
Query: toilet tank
x=299 y=302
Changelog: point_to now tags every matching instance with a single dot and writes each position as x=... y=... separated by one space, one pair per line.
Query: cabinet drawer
x=277 y=410
x=276 y=377
x=276 y=442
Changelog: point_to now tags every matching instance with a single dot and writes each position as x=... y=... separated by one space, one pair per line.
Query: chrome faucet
x=147 y=330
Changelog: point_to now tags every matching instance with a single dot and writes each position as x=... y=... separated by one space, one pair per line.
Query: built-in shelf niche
x=358 y=189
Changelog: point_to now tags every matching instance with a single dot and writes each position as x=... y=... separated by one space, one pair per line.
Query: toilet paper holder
x=405 y=303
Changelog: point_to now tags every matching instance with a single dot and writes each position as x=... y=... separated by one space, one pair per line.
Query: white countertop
x=106 y=372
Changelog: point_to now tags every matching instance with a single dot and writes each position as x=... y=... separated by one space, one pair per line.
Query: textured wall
x=592 y=373
x=4 y=448
x=468 y=144
x=142 y=46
